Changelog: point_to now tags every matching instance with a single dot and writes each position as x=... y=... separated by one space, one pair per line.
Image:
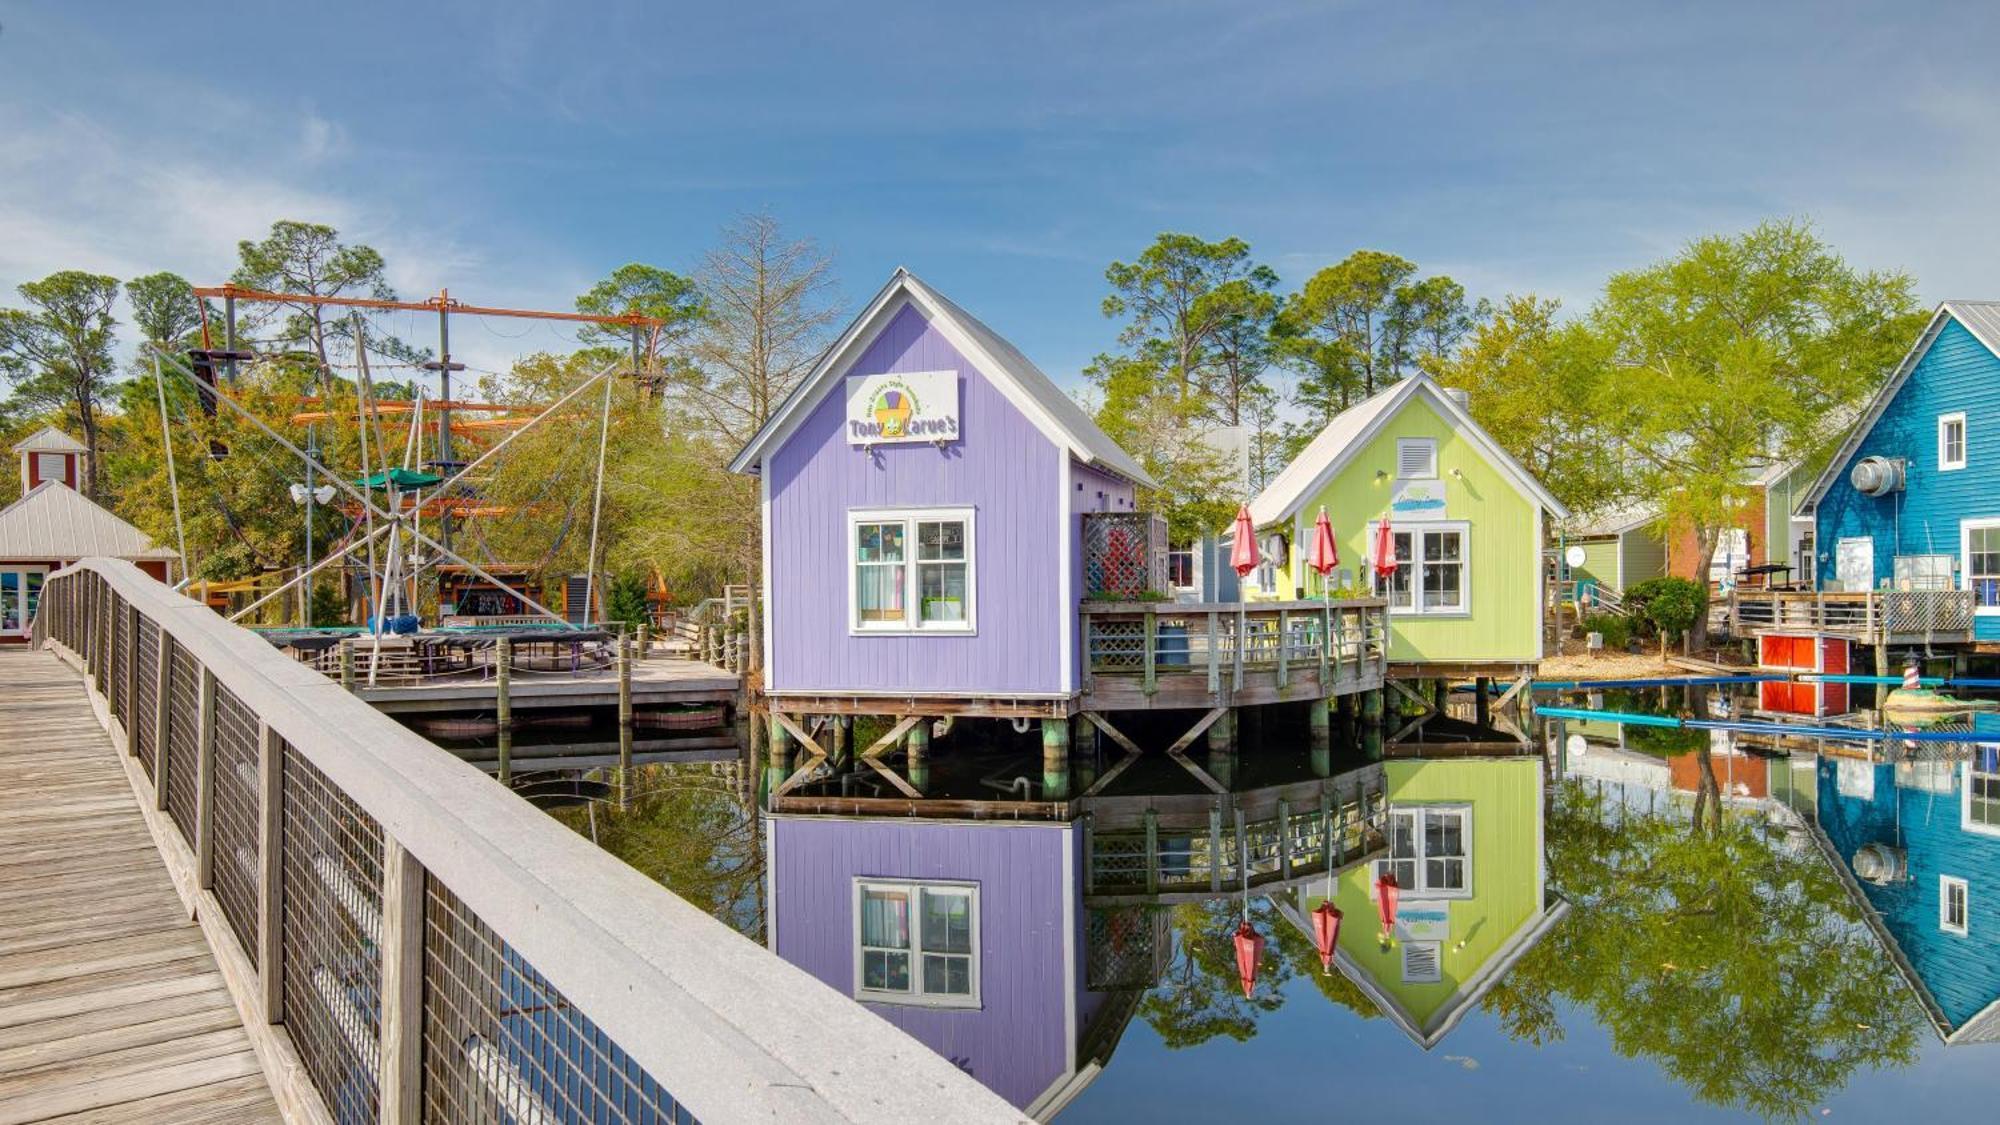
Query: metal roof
x=54 y=523
x=1053 y=412
x=48 y=439
x=1981 y=318
x=1349 y=430
x=1616 y=521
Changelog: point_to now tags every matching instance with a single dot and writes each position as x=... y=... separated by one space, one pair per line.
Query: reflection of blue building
x=1919 y=842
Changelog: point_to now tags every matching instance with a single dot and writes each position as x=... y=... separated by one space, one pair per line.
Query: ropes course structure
x=387 y=501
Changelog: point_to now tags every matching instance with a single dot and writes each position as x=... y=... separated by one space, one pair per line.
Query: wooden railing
x=1876 y=615
x=1221 y=641
x=409 y=941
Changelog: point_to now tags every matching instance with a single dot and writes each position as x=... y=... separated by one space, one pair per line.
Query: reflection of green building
x=1465 y=841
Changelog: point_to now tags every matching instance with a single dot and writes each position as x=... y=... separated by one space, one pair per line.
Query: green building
x=1467 y=524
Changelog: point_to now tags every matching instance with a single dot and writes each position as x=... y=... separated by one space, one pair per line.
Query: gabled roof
x=1981 y=318
x=48 y=439
x=1617 y=521
x=1055 y=413
x=1353 y=428
x=56 y=522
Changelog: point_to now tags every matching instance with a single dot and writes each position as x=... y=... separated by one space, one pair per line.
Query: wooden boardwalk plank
x=112 y=1008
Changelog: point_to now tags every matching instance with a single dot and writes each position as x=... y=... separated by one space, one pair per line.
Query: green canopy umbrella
x=400 y=478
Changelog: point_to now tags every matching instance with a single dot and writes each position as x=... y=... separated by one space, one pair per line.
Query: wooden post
x=841 y=733
x=402 y=954
x=1284 y=648
x=624 y=716
x=163 y=671
x=778 y=766
x=1215 y=848
x=1284 y=838
x=1320 y=721
x=917 y=754
x=271 y=872
x=1152 y=851
x=347 y=664
x=1152 y=680
x=132 y=682
x=1214 y=657
x=503 y=704
x=645 y=639
x=1325 y=829
x=204 y=774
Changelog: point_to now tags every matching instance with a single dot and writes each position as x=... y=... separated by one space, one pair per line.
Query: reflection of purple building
x=969 y=936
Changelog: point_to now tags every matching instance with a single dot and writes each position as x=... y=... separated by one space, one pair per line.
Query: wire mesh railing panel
x=121 y=661
x=184 y=743
x=502 y=1044
x=235 y=801
x=146 y=694
x=332 y=933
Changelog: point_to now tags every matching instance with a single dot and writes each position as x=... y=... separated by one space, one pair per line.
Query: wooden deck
x=111 y=1006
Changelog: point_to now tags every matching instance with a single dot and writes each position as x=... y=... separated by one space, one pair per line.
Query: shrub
x=1670 y=605
x=1616 y=629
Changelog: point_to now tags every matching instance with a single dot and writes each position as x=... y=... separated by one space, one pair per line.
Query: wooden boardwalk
x=111 y=1006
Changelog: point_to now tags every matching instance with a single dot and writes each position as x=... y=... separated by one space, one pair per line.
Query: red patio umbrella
x=1385 y=550
x=1326 y=931
x=1249 y=950
x=1324 y=554
x=1386 y=893
x=1243 y=553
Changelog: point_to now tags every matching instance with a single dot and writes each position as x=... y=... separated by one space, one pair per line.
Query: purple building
x=922 y=495
x=968 y=936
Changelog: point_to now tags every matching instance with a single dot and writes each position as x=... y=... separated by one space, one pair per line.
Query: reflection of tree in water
x=686 y=827
x=1741 y=969
x=1199 y=996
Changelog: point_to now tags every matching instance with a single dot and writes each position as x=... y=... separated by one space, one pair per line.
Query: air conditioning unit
x=1877 y=476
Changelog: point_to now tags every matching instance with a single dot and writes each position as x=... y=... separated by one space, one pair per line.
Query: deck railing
x=1224 y=639
x=409 y=941
x=1870 y=615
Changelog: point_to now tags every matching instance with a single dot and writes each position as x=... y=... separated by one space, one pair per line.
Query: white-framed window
x=911 y=570
x=1430 y=572
x=1180 y=567
x=1951 y=441
x=916 y=943
x=1430 y=850
x=1416 y=458
x=1980 y=812
x=1953 y=913
x=1979 y=563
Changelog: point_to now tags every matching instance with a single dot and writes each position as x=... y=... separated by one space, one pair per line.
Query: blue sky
x=515 y=152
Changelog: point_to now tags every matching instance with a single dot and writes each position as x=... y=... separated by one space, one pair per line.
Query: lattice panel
x=332 y=933
x=146 y=695
x=1116 y=645
x=502 y=1044
x=236 y=798
x=1117 y=861
x=1125 y=947
x=1124 y=554
x=184 y=743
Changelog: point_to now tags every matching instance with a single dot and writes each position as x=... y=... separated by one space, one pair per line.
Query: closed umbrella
x=1385 y=550
x=1249 y=950
x=1386 y=894
x=1326 y=932
x=1323 y=554
x=1243 y=553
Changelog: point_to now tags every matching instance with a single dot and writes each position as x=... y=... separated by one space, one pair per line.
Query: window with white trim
x=1951 y=441
x=1982 y=792
x=911 y=571
x=1430 y=569
x=916 y=943
x=1180 y=567
x=1953 y=914
x=1430 y=850
x=1980 y=557
x=1416 y=458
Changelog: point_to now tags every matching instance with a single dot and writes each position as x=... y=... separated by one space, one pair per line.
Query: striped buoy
x=1910 y=678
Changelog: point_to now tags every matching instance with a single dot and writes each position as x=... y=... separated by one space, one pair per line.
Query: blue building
x=1909 y=501
x=1918 y=844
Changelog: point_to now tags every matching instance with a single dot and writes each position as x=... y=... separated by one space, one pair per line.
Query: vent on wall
x=1416 y=457
x=1420 y=963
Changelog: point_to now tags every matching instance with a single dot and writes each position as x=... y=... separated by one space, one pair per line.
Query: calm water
x=1644 y=925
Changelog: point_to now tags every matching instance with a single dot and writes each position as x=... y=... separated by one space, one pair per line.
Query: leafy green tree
x=310 y=259
x=645 y=290
x=1199 y=997
x=164 y=310
x=1534 y=383
x=1335 y=329
x=1734 y=961
x=57 y=354
x=1732 y=357
x=1180 y=298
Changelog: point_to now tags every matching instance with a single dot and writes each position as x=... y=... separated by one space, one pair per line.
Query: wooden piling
x=1482 y=701
x=624 y=715
x=347 y=664
x=1055 y=759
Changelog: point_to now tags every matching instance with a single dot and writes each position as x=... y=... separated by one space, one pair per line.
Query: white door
x=20 y=592
x=1854 y=563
